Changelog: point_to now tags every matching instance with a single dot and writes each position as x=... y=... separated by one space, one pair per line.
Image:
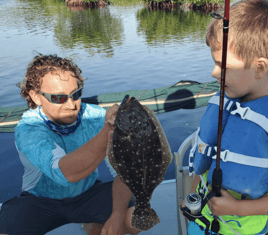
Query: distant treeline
x=93 y=3
x=181 y=2
x=101 y=2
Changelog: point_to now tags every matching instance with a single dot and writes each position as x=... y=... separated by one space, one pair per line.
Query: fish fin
x=144 y=219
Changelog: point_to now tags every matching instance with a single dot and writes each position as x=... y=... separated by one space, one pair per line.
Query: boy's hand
x=224 y=205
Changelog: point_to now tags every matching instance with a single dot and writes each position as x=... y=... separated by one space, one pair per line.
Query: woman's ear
x=35 y=97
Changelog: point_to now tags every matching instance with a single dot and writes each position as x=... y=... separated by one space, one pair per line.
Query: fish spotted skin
x=140 y=154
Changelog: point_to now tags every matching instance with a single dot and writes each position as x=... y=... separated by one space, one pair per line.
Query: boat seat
x=184 y=181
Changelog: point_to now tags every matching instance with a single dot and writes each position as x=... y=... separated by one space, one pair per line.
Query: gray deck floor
x=163 y=202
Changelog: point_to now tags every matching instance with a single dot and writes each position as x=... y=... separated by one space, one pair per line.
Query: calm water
x=118 y=48
x=122 y=47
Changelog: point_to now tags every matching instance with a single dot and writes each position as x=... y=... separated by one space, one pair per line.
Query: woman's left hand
x=224 y=205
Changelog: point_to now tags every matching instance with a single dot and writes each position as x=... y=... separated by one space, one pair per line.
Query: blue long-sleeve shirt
x=40 y=150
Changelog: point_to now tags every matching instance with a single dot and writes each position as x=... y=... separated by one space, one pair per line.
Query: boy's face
x=60 y=82
x=239 y=82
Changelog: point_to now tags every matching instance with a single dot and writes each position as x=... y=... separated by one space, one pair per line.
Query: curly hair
x=39 y=67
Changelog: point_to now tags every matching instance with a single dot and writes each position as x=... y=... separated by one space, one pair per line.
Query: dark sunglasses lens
x=77 y=94
x=58 y=99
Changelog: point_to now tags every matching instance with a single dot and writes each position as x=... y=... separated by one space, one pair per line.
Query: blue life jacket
x=244 y=145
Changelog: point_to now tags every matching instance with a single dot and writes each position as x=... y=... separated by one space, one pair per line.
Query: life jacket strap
x=245 y=112
x=227 y=156
x=250 y=115
x=228 y=104
x=192 y=151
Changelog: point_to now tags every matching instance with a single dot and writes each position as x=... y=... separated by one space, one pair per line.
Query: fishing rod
x=193 y=200
x=217 y=173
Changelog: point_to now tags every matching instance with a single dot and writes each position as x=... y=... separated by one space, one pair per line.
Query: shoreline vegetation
x=88 y=4
x=186 y=5
x=189 y=5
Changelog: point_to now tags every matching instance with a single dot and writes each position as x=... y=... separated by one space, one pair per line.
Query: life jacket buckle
x=240 y=110
x=224 y=155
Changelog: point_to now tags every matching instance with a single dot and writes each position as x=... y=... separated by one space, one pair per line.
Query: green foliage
x=198 y=2
x=87 y=1
x=125 y=2
x=96 y=30
x=161 y=26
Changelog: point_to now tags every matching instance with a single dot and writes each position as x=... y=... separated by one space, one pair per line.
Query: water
x=118 y=48
x=122 y=47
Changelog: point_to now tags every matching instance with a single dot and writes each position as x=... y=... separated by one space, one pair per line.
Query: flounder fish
x=139 y=152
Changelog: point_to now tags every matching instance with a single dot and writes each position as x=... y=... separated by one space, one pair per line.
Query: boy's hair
x=248 y=31
x=39 y=67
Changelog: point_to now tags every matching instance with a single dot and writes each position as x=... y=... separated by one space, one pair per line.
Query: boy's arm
x=226 y=204
x=253 y=206
x=195 y=183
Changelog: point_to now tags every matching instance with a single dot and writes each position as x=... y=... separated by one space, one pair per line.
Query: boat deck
x=163 y=202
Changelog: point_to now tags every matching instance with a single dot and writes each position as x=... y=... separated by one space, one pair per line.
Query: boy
x=242 y=209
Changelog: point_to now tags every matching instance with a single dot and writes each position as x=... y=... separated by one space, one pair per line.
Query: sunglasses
x=62 y=98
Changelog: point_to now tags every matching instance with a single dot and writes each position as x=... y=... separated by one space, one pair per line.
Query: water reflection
x=75 y=5
x=172 y=26
x=95 y=30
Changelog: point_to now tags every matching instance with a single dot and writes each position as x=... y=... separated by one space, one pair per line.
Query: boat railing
x=183 y=181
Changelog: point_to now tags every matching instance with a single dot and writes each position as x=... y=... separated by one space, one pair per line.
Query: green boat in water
x=182 y=95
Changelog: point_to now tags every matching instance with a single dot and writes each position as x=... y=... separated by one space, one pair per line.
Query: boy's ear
x=35 y=97
x=262 y=67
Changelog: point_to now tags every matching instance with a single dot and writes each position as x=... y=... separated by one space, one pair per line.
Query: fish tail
x=144 y=219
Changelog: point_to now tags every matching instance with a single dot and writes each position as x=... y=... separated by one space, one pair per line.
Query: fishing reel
x=194 y=203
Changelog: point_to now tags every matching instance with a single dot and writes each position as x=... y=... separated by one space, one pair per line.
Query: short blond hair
x=248 y=31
